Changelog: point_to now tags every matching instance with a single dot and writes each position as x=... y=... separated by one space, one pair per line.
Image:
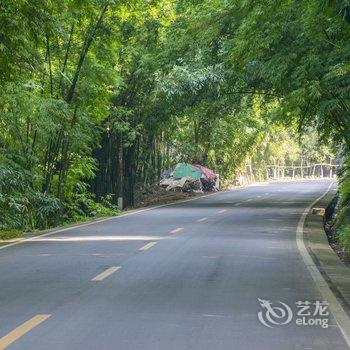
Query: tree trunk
x=120 y=172
x=302 y=169
x=129 y=176
x=87 y=43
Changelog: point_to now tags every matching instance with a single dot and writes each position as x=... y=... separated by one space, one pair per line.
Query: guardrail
x=319 y=170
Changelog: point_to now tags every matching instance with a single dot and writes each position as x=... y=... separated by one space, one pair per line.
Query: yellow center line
x=18 y=332
x=177 y=230
x=148 y=246
x=106 y=273
x=222 y=211
x=202 y=219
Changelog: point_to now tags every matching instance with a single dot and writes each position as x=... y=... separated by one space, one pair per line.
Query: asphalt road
x=197 y=287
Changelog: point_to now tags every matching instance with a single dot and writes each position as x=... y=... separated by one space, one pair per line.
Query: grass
x=344 y=238
x=102 y=212
x=10 y=234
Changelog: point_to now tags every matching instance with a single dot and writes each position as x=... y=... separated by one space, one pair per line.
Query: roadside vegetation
x=342 y=222
x=99 y=97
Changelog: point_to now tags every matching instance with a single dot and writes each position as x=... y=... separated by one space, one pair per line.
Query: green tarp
x=186 y=170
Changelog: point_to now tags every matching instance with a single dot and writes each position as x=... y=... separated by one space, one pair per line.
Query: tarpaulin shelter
x=189 y=178
x=206 y=172
x=186 y=170
x=167 y=172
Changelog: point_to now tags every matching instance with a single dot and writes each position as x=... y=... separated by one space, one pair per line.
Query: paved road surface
x=196 y=288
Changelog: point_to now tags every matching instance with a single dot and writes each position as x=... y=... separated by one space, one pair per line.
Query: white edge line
x=125 y=214
x=24 y=240
x=337 y=310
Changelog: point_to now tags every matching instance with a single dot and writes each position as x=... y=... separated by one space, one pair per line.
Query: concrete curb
x=327 y=261
x=330 y=275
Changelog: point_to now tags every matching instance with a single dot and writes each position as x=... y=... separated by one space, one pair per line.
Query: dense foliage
x=342 y=222
x=99 y=96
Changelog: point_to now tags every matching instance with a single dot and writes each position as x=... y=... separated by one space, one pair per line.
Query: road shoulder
x=327 y=261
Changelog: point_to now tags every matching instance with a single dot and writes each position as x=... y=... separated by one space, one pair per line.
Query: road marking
x=211 y=315
x=18 y=332
x=337 y=310
x=237 y=204
x=177 y=230
x=106 y=273
x=100 y=238
x=95 y=222
x=238 y=256
x=148 y=246
x=249 y=200
x=222 y=211
x=202 y=219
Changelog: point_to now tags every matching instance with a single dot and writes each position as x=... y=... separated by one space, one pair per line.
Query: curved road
x=186 y=276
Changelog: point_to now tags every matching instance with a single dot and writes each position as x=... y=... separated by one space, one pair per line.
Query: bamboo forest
x=100 y=97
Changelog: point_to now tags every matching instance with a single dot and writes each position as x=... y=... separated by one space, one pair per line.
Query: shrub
x=21 y=206
x=344 y=238
x=82 y=205
x=9 y=234
x=343 y=213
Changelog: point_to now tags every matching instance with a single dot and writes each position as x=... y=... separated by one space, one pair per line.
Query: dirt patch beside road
x=158 y=195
